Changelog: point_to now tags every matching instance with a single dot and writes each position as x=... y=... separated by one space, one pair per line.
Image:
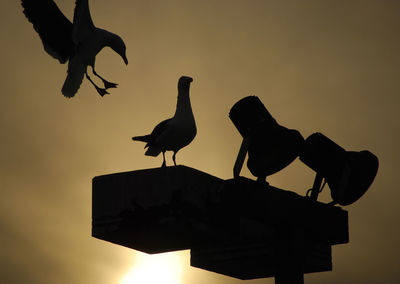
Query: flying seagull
x=77 y=42
x=174 y=133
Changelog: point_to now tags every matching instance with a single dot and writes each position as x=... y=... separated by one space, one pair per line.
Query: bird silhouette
x=78 y=42
x=174 y=133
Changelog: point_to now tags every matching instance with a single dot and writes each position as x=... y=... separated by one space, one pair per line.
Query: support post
x=290 y=255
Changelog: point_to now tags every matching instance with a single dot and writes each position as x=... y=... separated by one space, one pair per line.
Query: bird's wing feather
x=76 y=71
x=151 y=138
x=153 y=151
x=158 y=130
x=83 y=24
x=53 y=27
x=153 y=148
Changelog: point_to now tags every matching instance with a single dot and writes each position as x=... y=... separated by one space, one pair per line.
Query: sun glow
x=163 y=268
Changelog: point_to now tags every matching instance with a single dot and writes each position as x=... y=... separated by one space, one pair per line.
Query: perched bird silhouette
x=79 y=42
x=174 y=133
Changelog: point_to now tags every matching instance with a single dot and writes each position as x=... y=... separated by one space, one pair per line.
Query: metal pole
x=290 y=255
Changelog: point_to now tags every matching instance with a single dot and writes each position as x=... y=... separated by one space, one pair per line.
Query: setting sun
x=163 y=268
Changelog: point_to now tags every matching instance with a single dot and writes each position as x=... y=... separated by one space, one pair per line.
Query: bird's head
x=118 y=45
x=184 y=82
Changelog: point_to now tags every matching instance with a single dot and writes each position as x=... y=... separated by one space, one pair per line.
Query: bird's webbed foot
x=101 y=91
x=108 y=85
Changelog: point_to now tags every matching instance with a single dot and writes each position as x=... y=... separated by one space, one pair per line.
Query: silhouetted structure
x=238 y=227
x=174 y=133
x=79 y=42
x=349 y=174
x=271 y=147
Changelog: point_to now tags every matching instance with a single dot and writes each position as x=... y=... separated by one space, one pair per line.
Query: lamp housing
x=271 y=147
x=349 y=174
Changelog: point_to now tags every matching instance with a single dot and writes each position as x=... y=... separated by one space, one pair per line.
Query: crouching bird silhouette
x=174 y=133
x=79 y=42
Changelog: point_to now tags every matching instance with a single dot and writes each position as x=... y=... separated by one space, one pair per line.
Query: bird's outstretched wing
x=54 y=29
x=83 y=24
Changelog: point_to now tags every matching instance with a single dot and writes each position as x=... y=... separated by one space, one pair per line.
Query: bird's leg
x=101 y=91
x=173 y=158
x=107 y=85
x=164 y=164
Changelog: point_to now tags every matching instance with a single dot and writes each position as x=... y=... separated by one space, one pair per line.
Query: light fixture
x=348 y=174
x=271 y=147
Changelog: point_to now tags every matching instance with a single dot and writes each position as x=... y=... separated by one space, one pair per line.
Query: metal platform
x=238 y=227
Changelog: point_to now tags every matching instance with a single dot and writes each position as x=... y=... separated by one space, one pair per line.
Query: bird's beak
x=125 y=59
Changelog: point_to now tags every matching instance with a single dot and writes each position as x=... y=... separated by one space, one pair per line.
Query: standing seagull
x=174 y=133
x=79 y=42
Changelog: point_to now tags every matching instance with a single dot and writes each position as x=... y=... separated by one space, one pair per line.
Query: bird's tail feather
x=144 y=138
x=76 y=71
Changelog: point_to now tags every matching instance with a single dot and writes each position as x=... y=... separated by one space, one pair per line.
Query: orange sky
x=328 y=66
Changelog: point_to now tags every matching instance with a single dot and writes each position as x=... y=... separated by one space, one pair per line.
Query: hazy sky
x=328 y=66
